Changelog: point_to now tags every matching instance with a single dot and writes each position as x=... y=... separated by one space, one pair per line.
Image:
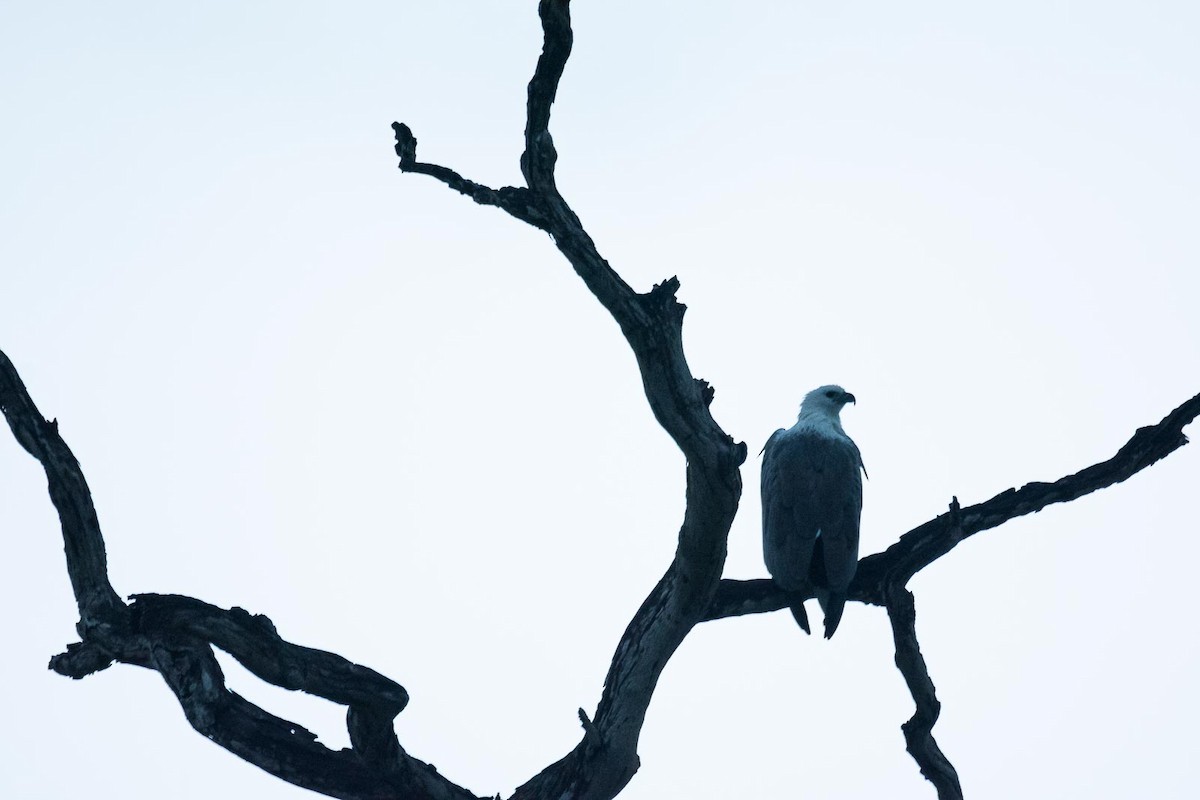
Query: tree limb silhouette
x=175 y=635
x=918 y=731
x=606 y=757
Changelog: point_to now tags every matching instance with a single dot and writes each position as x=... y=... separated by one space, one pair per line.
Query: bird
x=812 y=505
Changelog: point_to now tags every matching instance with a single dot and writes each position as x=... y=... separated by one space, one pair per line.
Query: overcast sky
x=398 y=424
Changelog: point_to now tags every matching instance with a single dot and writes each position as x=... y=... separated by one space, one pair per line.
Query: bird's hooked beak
x=848 y=398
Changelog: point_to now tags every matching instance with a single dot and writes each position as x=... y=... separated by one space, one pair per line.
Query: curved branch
x=918 y=731
x=87 y=563
x=253 y=641
x=173 y=635
x=652 y=323
x=539 y=158
x=926 y=543
x=516 y=201
x=282 y=748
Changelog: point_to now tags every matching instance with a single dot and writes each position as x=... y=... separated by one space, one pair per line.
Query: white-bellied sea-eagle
x=811 y=502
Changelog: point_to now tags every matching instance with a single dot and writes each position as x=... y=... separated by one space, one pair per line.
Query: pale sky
x=395 y=422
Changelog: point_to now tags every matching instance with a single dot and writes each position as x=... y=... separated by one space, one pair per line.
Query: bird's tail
x=832 y=604
x=801 y=617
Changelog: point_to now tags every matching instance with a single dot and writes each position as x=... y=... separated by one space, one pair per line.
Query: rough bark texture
x=174 y=635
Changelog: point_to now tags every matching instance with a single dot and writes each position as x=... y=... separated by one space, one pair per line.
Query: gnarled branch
x=253 y=641
x=174 y=635
x=606 y=758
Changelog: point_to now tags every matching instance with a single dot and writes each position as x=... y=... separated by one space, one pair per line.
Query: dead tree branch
x=902 y=612
x=87 y=563
x=925 y=544
x=606 y=757
x=174 y=636
x=253 y=641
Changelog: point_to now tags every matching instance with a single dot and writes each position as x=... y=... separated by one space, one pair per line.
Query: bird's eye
x=831 y=393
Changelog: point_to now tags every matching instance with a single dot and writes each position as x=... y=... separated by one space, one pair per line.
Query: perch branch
x=736 y=598
x=931 y=540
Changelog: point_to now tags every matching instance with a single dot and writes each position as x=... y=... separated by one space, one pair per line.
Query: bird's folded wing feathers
x=811 y=487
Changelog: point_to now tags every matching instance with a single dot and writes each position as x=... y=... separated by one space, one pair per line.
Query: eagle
x=811 y=503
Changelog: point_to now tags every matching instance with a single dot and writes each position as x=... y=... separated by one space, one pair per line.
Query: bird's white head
x=825 y=402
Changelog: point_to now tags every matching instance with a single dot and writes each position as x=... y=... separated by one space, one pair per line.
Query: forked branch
x=606 y=757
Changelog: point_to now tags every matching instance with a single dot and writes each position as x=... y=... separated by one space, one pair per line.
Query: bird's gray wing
x=789 y=525
x=841 y=511
x=812 y=501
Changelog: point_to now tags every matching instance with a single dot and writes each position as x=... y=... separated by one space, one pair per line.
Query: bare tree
x=175 y=635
